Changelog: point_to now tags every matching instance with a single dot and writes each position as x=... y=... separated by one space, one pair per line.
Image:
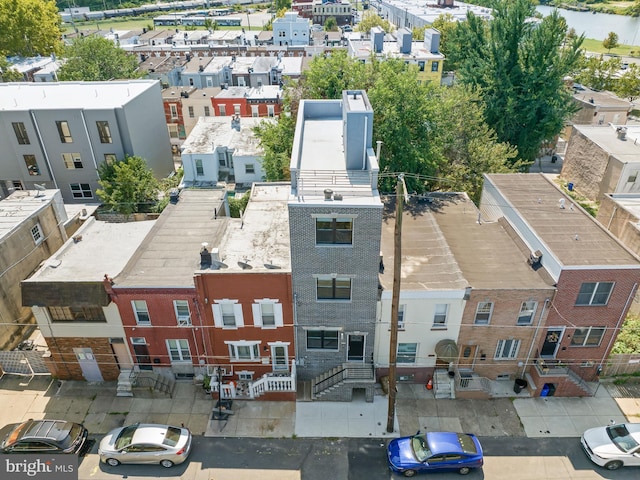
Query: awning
x=447 y=350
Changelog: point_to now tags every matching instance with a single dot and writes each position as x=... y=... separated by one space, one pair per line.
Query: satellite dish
x=270 y=266
x=244 y=266
x=40 y=188
x=216 y=264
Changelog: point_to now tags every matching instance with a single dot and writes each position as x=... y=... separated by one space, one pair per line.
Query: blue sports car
x=434 y=452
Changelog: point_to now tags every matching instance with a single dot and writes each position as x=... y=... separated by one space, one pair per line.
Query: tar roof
x=571 y=234
x=485 y=252
x=21 y=205
x=171 y=252
x=427 y=261
x=61 y=95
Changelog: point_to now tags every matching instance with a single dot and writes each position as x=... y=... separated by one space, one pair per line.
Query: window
x=36 y=234
x=440 y=315
x=199 y=167
x=72 y=160
x=173 y=108
x=527 y=310
x=322 y=339
x=333 y=288
x=173 y=130
x=191 y=114
x=249 y=169
x=421 y=65
x=271 y=111
x=32 y=165
x=64 y=131
x=594 y=293
x=76 y=314
x=21 y=133
x=245 y=375
x=407 y=352
x=587 y=337
x=255 y=111
x=401 y=310
x=141 y=312
x=182 y=312
x=632 y=178
x=236 y=109
x=334 y=231
x=179 y=350
x=110 y=158
x=222 y=158
x=244 y=350
x=207 y=112
x=507 y=349
x=267 y=313
x=483 y=313
x=227 y=314
x=434 y=66
x=104 y=131
x=81 y=190
x=223 y=110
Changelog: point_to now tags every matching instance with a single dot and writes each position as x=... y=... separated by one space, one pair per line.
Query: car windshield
x=621 y=437
x=467 y=443
x=419 y=447
x=125 y=436
x=172 y=437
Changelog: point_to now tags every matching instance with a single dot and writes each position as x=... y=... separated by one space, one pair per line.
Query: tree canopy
x=371 y=19
x=128 y=186
x=29 y=28
x=519 y=67
x=437 y=135
x=97 y=59
x=611 y=41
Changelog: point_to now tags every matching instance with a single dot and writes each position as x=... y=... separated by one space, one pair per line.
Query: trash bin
x=519 y=384
x=570 y=186
x=554 y=158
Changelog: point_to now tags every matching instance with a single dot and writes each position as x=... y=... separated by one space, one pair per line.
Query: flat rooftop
x=170 y=253
x=431 y=11
x=606 y=138
x=602 y=99
x=629 y=201
x=23 y=204
x=65 y=95
x=104 y=248
x=570 y=233
x=427 y=261
x=211 y=131
x=486 y=253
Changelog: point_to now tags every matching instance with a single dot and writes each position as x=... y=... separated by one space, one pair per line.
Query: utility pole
x=395 y=301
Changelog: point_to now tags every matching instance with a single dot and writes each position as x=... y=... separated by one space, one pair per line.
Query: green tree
x=331 y=25
x=7 y=73
x=445 y=24
x=29 y=27
x=598 y=73
x=97 y=59
x=519 y=67
x=283 y=5
x=628 y=340
x=371 y=19
x=611 y=41
x=628 y=85
x=276 y=139
x=128 y=186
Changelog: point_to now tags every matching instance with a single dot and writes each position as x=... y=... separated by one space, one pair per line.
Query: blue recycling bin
x=570 y=186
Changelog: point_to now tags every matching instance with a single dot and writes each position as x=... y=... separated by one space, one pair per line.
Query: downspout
x=44 y=150
x=364 y=144
x=295 y=326
x=613 y=214
x=535 y=335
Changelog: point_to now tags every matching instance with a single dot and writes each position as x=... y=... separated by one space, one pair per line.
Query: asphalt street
x=355 y=459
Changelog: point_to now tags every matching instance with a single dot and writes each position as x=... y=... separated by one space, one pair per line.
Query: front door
x=467 y=358
x=356 y=348
x=142 y=356
x=279 y=361
x=88 y=364
x=551 y=342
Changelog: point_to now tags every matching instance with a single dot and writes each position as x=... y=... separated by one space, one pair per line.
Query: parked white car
x=613 y=446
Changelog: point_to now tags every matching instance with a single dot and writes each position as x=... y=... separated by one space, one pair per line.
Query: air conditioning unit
x=184 y=321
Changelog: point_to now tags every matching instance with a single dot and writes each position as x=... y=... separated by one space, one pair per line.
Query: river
x=598 y=26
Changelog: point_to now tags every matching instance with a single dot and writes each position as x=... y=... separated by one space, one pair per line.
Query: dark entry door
x=551 y=341
x=142 y=357
x=356 y=348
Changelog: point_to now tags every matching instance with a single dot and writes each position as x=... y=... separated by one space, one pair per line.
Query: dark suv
x=43 y=436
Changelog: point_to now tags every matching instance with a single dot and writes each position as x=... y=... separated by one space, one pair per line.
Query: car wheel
x=409 y=473
x=616 y=464
x=112 y=461
x=464 y=470
x=166 y=463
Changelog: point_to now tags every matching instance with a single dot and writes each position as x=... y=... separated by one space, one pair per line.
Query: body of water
x=598 y=25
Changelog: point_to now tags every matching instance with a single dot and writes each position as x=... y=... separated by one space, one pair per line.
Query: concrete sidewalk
x=97 y=406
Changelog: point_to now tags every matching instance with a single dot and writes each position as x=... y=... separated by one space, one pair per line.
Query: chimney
x=327 y=194
x=404 y=40
x=205 y=256
x=377 y=39
x=621 y=132
x=357 y=121
x=432 y=40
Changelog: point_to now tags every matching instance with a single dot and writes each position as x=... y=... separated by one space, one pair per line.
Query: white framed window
x=236 y=109
x=401 y=311
x=36 y=234
x=594 y=293
x=179 y=350
x=245 y=375
x=244 y=351
x=255 y=111
x=173 y=108
x=587 y=337
x=407 y=353
x=223 y=110
x=141 y=312
x=440 y=315
x=483 y=313
x=183 y=315
x=507 y=349
x=527 y=311
x=279 y=356
x=271 y=111
x=267 y=313
x=249 y=169
x=138 y=341
x=173 y=130
x=199 y=167
x=227 y=314
x=72 y=161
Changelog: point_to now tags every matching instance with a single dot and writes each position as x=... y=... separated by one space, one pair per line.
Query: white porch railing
x=269 y=382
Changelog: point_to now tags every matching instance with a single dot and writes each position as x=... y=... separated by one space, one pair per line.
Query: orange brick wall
x=64 y=365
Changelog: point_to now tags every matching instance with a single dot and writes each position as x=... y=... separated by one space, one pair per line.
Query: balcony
x=549 y=367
